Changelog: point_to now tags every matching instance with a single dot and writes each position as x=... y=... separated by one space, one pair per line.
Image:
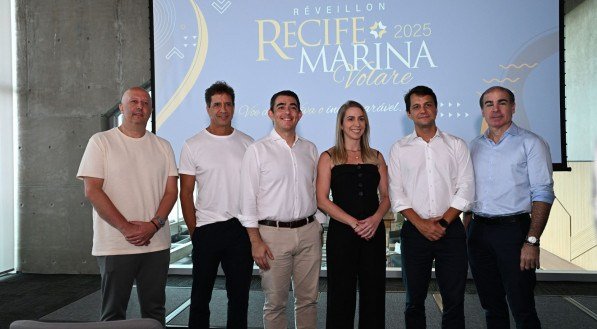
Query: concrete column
x=75 y=59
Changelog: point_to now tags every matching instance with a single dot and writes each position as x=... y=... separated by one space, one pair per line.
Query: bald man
x=130 y=177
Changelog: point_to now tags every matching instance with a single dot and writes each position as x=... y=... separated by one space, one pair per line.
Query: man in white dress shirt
x=431 y=183
x=278 y=208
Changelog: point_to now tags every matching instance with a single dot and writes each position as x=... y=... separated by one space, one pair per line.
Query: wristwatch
x=444 y=223
x=161 y=221
x=533 y=241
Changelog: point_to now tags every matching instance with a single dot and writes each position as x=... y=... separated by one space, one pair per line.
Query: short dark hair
x=490 y=89
x=420 y=91
x=219 y=87
x=284 y=93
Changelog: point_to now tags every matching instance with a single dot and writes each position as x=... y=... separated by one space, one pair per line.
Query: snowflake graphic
x=377 y=30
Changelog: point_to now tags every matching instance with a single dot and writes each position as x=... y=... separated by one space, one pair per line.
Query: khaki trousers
x=297 y=258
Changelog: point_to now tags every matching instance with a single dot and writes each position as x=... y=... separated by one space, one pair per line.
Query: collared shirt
x=431 y=177
x=511 y=173
x=278 y=181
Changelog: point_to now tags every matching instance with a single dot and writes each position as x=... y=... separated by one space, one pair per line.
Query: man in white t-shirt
x=212 y=158
x=130 y=179
x=279 y=209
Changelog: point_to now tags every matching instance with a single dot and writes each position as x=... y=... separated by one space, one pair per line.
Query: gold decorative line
x=510 y=66
x=192 y=73
x=501 y=81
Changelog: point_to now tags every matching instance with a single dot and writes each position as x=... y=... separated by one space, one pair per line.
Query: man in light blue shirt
x=514 y=194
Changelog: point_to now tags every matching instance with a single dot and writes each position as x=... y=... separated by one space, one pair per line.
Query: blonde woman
x=357 y=177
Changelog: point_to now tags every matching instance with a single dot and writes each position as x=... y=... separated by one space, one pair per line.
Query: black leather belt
x=292 y=224
x=501 y=219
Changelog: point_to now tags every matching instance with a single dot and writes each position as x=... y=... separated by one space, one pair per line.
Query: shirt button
x=360 y=193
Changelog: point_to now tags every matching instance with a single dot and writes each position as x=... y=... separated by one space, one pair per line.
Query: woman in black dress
x=356 y=244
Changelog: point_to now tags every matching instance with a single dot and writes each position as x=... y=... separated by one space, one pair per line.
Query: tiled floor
x=32 y=296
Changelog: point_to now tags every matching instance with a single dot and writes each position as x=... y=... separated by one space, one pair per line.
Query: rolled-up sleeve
x=249 y=188
x=465 y=184
x=540 y=171
x=398 y=198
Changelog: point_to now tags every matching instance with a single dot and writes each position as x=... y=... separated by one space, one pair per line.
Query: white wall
x=6 y=138
x=571 y=232
x=581 y=85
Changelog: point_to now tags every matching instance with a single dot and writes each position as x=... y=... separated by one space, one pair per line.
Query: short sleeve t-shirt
x=135 y=172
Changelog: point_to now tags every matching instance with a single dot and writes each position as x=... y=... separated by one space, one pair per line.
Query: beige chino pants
x=297 y=258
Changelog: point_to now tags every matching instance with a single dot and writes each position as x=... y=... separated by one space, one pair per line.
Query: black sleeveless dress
x=351 y=260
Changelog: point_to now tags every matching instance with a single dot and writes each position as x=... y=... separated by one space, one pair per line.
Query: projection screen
x=370 y=51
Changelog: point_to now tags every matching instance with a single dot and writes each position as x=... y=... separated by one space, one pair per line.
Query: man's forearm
x=539 y=215
x=451 y=214
x=254 y=235
x=106 y=209
x=169 y=198
x=188 y=211
x=166 y=205
x=411 y=216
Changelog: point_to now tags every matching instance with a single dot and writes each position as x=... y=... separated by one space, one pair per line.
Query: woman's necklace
x=358 y=153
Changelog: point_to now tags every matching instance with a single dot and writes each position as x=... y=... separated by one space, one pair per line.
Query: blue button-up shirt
x=512 y=173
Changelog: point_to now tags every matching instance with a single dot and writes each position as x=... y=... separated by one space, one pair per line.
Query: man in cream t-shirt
x=130 y=179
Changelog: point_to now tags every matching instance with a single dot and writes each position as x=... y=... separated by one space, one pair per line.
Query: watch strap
x=444 y=223
x=161 y=221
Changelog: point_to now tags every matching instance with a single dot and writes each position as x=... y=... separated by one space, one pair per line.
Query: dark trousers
x=226 y=243
x=352 y=260
x=148 y=270
x=494 y=254
x=451 y=269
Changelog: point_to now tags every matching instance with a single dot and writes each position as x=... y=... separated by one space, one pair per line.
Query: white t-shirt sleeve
x=172 y=170
x=92 y=163
x=186 y=165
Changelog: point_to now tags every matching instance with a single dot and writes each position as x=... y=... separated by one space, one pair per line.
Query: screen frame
x=557 y=166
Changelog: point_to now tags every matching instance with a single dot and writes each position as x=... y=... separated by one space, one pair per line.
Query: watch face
x=532 y=239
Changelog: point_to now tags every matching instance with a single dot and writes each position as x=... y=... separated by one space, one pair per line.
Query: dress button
x=360 y=193
x=359 y=184
x=360 y=175
x=359 y=167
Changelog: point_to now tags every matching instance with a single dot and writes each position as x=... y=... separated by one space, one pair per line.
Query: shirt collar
x=512 y=130
x=414 y=136
x=276 y=137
